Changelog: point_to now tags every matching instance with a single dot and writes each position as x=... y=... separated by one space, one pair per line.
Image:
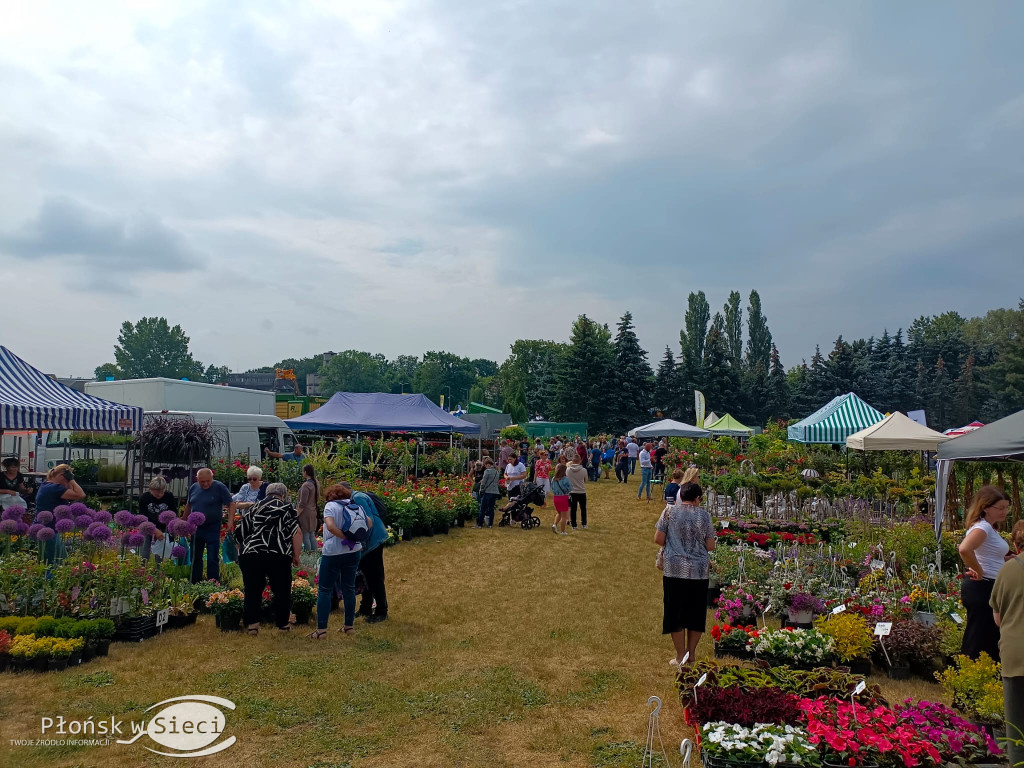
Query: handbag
x=659 y=560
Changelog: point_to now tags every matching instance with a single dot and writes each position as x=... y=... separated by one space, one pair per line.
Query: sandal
x=284 y=629
x=348 y=630
x=253 y=630
x=317 y=634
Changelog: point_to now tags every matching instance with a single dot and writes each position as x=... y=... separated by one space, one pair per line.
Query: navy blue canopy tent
x=380 y=412
x=29 y=399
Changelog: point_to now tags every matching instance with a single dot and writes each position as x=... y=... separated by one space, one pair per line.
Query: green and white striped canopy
x=842 y=417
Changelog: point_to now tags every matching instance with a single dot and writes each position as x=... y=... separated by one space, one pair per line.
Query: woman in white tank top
x=984 y=552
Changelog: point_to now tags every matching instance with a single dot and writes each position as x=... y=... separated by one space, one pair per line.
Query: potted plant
x=961 y=742
x=853 y=639
x=976 y=688
x=803 y=606
x=226 y=605
x=732 y=641
x=736 y=604
x=29 y=652
x=908 y=642
x=724 y=745
x=303 y=600
x=103 y=632
x=60 y=651
x=795 y=647
x=923 y=604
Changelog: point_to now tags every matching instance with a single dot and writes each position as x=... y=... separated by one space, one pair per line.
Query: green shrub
x=9 y=624
x=26 y=626
x=104 y=629
x=46 y=626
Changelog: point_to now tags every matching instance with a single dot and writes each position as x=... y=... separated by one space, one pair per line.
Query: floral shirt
x=542 y=469
x=247 y=494
x=687 y=529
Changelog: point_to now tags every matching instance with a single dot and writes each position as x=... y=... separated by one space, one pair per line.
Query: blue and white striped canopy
x=29 y=399
x=833 y=423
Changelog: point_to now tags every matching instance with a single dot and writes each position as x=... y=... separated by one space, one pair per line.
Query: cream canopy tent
x=896 y=432
x=669 y=428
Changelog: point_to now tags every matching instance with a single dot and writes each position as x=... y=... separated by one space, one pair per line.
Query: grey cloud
x=65 y=229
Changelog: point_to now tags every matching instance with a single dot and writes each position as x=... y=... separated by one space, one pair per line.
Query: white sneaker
x=584 y=527
x=554 y=528
x=563 y=533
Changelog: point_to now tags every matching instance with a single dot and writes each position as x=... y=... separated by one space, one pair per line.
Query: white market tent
x=896 y=432
x=669 y=428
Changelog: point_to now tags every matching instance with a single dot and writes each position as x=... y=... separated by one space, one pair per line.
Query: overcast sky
x=285 y=178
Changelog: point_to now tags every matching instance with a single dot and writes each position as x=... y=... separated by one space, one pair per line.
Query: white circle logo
x=190 y=725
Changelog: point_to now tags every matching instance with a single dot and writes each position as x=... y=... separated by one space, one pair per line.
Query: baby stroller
x=519 y=510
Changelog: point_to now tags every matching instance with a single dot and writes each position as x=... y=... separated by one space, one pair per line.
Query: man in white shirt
x=515 y=473
x=634 y=451
x=646 y=471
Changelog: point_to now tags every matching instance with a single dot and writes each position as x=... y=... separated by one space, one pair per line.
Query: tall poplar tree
x=734 y=330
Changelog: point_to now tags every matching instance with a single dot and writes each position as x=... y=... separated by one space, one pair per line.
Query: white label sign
x=839 y=608
x=703 y=679
x=957 y=618
x=162 y=617
x=725 y=523
x=860 y=688
x=877 y=565
x=686 y=658
x=883 y=628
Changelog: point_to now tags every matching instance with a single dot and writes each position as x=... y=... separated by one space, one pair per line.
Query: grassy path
x=505 y=648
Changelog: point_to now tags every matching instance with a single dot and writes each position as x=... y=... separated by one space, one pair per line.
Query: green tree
x=819 y=385
x=721 y=382
x=107 y=369
x=1005 y=376
x=777 y=406
x=215 y=375
x=901 y=376
x=401 y=374
x=515 y=403
x=968 y=400
x=351 y=371
x=734 y=330
x=443 y=373
x=759 y=338
x=151 y=347
x=930 y=338
x=803 y=400
x=532 y=367
x=668 y=389
x=841 y=373
x=584 y=374
x=634 y=381
x=692 y=338
x=940 y=407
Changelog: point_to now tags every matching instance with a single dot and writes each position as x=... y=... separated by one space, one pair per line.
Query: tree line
x=957 y=369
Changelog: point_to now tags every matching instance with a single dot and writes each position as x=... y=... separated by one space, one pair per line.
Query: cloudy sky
x=285 y=178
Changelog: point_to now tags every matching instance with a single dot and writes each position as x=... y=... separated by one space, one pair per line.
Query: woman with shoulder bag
x=984 y=552
x=687 y=536
x=308 y=508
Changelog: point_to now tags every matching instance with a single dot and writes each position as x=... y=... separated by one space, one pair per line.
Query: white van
x=240 y=433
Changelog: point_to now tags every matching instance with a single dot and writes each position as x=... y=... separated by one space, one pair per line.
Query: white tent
x=896 y=432
x=668 y=428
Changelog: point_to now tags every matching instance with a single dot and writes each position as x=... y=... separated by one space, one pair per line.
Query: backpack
x=353 y=522
x=381 y=505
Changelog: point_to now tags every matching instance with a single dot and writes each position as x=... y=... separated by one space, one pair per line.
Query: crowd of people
x=562 y=468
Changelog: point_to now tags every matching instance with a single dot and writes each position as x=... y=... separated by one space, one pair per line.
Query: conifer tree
x=634 y=382
x=584 y=374
x=668 y=394
x=777 y=406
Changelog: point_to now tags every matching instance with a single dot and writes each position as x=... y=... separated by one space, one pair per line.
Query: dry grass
x=505 y=648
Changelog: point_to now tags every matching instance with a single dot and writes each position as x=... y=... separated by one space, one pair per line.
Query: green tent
x=833 y=423
x=727 y=425
x=552 y=428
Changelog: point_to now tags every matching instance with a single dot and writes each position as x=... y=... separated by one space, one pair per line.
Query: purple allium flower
x=196 y=519
x=102 y=516
x=167 y=515
x=178 y=551
x=44 y=517
x=188 y=528
x=63 y=512
x=9 y=527
x=78 y=508
x=99 y=532
x=147 y=528
x=174 y=527
x=22 y=527
x=65 y=526
x=136 y=539
x=83 y=521
x=13 y=513
x=45 y=534
x=33 y=530
x=124 y=518
x=138 y=520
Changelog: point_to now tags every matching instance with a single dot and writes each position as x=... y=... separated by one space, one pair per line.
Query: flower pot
x=230 y=622
x=5 y=661
x=89 y=651
x=926 y=617
x=40 y=664
x=18 y=664
x=303 y=613
x=75 y=659
x=801 y=617
x=102 y=647
x=899 y=672
x=720 y=762
x=56 y=665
